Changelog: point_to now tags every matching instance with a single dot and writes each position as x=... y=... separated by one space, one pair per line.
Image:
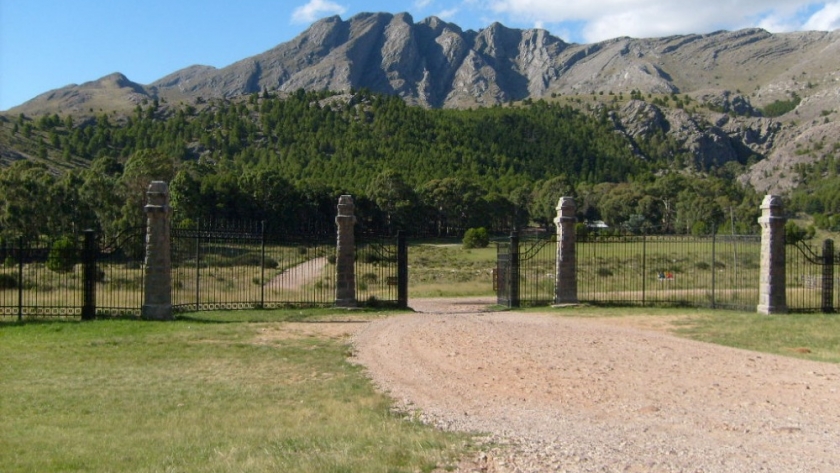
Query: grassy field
x=231 y=391
x=810 y=336
x=449 y=270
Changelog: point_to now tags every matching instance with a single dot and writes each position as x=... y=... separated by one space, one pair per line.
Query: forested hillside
x=286 y=159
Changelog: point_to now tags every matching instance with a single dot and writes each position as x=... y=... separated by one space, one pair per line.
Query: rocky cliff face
x=433 y=63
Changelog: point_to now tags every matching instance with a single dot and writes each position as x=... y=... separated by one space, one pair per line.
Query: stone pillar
x=345 y=257
x=157 y=297
x=565 y=285
x=771 y=293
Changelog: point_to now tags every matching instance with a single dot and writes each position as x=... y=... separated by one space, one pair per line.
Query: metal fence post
x=262 y=264
x=20 y=279
x=513 y=280
x=828 y=277
x=89 y=276
x=714 y=244
x=402 y=271
x=644 y=267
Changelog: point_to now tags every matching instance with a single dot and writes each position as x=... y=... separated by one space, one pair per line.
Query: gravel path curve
x=580 y=395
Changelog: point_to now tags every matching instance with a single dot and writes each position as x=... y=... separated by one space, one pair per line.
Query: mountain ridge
x=435 y=64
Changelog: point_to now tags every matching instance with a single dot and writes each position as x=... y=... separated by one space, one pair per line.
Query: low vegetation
x=809 y=336
x=201 y=394
x=781 y=107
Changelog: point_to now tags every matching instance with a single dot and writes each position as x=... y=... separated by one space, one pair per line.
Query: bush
x=8 y=281
x=63 y=255
x=781 y=107
x=794 y=233
x=476 y=238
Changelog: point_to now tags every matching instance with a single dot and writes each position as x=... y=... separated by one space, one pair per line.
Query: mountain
x=437 y=64
x=729 y=77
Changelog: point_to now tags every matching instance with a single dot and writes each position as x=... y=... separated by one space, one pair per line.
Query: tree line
x=285 y=160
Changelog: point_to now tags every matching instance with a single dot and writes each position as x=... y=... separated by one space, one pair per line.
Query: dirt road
x=583 y=395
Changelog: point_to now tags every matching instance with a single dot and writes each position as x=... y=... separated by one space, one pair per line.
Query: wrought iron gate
x=811 y=277
x=382 y=270
x=525 y=270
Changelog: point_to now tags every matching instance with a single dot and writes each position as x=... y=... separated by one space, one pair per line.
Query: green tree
x=63 y=255
x=545 y=197
x=140 y=170
x=476 y=238
x=396 y=199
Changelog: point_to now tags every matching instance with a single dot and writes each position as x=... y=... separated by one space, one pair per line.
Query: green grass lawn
x=809 y=336
x=208 y=394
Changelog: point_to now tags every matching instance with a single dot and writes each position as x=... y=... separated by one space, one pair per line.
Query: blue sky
x=47 y=44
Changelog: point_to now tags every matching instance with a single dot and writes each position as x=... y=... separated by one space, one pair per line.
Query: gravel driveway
x=580 y=395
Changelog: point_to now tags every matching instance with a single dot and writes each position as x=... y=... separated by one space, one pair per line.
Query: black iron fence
x=707 y=271
x=525 y=270
x=811 y=277
x=382 y=270
x=243 y=266
x=711 y=271
x=72 y=276
x=221 y=266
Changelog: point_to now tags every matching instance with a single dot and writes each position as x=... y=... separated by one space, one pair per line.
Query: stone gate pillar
x=771 y=294
x=157 y=297
x=565 y=284
x=345 y=257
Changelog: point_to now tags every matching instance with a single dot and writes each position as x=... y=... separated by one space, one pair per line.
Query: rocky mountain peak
x=728 y=77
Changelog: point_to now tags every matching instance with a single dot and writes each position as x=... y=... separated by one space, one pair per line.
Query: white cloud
x=826 y=19
x=447 y=15
x=597 y=20
x=315 y=10
x=420 y=4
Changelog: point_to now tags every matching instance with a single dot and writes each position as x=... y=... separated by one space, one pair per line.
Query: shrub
x=63 y=255
x=781 y=107
x=795 y=233
x=9 y=262
x=371 y=258
x=476 y=238
x=8 y=281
